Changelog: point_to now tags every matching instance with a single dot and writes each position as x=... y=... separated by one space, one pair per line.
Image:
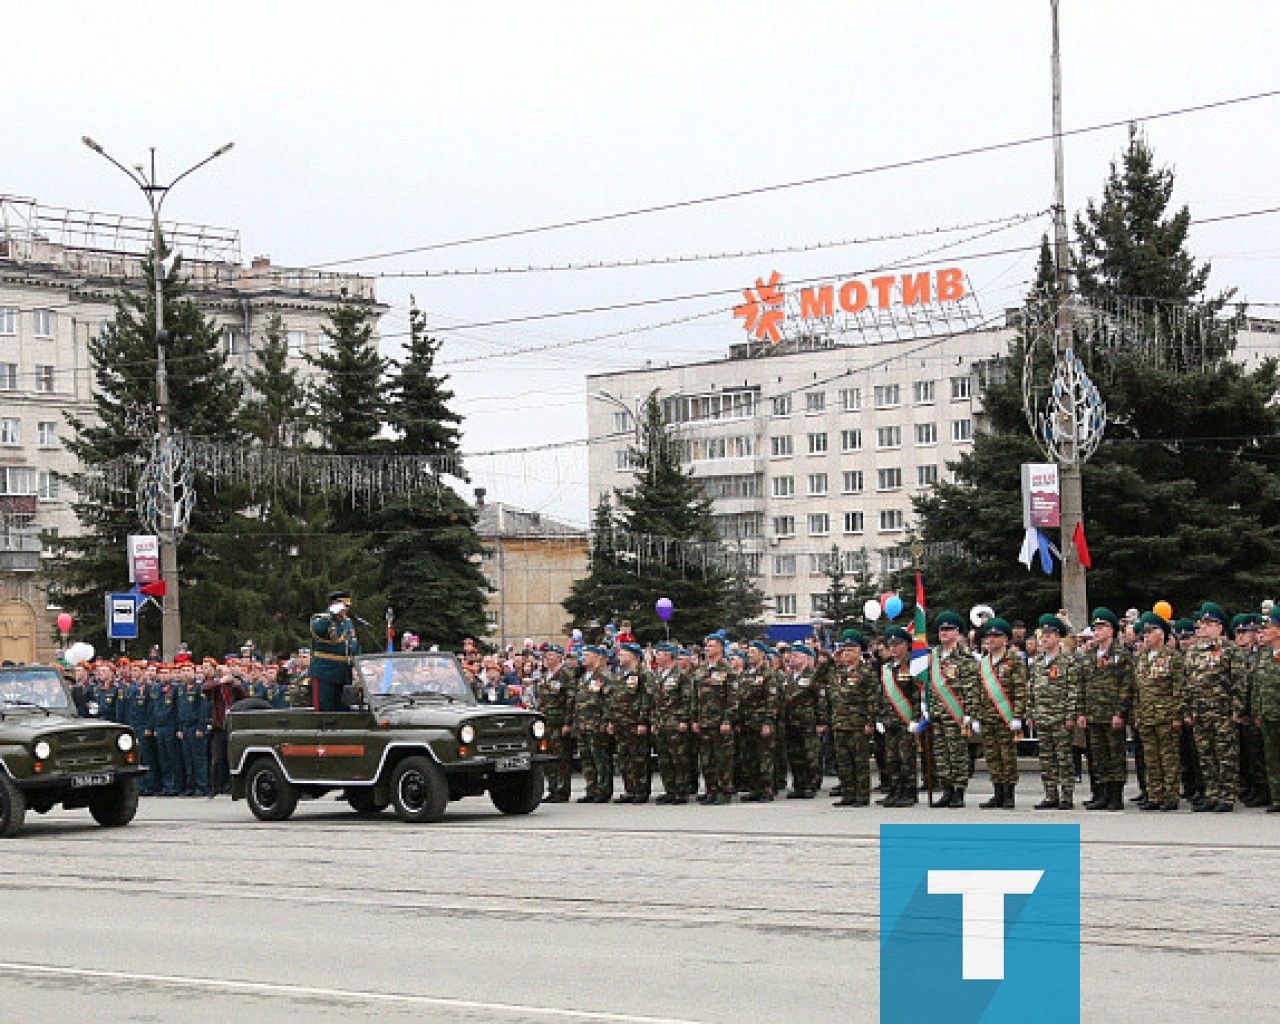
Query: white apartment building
x=807 y=450
x=60 y=270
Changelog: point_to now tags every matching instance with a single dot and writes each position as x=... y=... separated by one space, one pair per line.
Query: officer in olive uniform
x=333 y=645
x=758 y=718
x=1108 y=699
x=717 y=711
x=1215 y=706
x=951 y=688
x=590 y=721
x=1159 y=709
x=800 y=703
x=630 y=709
x=1055 y=704
x=1266 y=702
x=555 y=701
x=687 y=664
x=853 y=700
x=1253 y=775
x=1192 y=780
x=672 y=716
x=999 y=709
x=900 y=714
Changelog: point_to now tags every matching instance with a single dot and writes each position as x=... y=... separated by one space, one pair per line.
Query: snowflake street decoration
x=1064 y=409
x=167 y=482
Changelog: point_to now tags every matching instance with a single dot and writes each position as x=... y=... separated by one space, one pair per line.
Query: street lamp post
x=156 y=193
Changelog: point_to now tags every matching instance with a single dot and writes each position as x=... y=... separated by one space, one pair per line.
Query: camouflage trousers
x=596 y=752
x=692 y=757
x=853 y=763
x=950 y=752
x=779 y=760
x=1000 y=751
x=1271 y=740
x=757 y=760
x=1160 y=747
x=673 y=760
x=1057 y=769
x=633 y=761
x=560 y=770
x=1192 y=779
x=804 y=756
x=1219 y=756
x=1106 y=753
x=900 y=757
x=717 y=762
x=1253 y=758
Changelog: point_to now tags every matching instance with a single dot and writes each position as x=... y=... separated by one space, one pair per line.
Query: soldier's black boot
x=957 y=797
x=1049 y=803
x=1116 y=803
x=1099 y=800
x=1274 y=809
x=997 y=798
x=1203 y=804
x=588 y=799
x=1066 y=804
x=901 y=797
x=1008 y=798
x=944 y=798
x=1224 y=805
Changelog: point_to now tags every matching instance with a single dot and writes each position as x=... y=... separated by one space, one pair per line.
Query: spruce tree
x=348 y=407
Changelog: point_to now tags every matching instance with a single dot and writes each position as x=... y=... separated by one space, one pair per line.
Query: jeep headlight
x=42 y=750
x=467 y=733
x=125 y=741
x=539 y=729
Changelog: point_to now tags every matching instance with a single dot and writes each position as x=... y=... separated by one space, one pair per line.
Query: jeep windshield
x=417 y=675
x=36 y=686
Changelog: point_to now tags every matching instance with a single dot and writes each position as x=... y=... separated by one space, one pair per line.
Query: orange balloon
x=1164 y=609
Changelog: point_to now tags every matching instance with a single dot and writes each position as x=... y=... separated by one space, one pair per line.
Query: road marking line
x=312 y=992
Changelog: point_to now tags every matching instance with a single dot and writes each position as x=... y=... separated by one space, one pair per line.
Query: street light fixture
x=156 y=193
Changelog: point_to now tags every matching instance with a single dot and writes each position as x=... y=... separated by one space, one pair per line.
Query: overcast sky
x=375 y=126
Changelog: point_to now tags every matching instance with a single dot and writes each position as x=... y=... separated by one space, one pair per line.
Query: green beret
x=802 y=649
x=1241 y=620
x=1275 y=614
x=852 y=638
x=1150 y=620
x=1054 y=623
x=1209 y=610
x=949 y=619
x=1104 y=615
x=897 y=633
x=998 y=626
x=1184 y=627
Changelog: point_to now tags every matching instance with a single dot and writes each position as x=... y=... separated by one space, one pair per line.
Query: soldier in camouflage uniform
x=1192 y=780
x=853 y=700
x=1266 y=703
x=1108 y=700
x=798 y=704
x=555 y=701
x=758 y=719
x=824 y=672
x=777 y=662
x=687 y=663
x=630 y=709
x=1055 y=702
x=951 y=689
x=999 y=708
x=1215 y=706
x=717 y=710
x=590 y=718
x=1158 y=710
x=1253 y=773
x=899 y=699
x=672 y=714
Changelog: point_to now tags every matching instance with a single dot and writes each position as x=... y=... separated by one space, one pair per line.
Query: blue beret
x=667 y=648
x=720 y=637
x=762 y=647
x=802 y=649
x=594 y=649
x=635 y=649
x=554 y=649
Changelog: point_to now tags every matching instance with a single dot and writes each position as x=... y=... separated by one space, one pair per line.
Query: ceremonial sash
x=896 y=697
x=991 y=682
x=944 y=691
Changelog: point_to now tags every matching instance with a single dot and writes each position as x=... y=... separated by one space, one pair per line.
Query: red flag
x=1082 y=546
x=156 y=589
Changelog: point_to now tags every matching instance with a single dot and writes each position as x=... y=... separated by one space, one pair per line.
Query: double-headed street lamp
x=167 y=530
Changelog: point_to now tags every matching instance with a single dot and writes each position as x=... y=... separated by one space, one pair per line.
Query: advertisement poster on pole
x=1041 y=506
x=144 y=558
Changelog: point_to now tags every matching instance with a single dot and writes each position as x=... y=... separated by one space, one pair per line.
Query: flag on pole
x=1030 y=543
x=920 y=635
x=1082 y=546
x=1046 y=558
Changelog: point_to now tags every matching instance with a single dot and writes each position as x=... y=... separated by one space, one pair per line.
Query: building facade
x=60 y=271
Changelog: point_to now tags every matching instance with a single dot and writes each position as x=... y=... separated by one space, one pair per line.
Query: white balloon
x=872 y=610
x=78 y=652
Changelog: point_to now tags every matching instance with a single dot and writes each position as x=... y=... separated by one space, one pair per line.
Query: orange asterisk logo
x=763 y=309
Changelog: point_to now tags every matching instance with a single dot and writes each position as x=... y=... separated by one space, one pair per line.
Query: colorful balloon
x=664 y=608
x=1164 y=609
x=64 y=623
x=871 y=610
x=893 y=606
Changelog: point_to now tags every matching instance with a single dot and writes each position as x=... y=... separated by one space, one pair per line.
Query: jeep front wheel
x=13 y=807
x=271 y=796
x=518 y=793
x=419 y=792
x=116 y=807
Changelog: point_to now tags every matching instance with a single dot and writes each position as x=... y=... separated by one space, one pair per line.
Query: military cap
x=1150 y=620
x=897 y=633
x=996 y=625
x=1048 y=621
x=338 y=595
x=802 y=649
x=1184 y=627
x=1275 y=614
x=667 y=648
x=763 y=648
x=630 y=648
x=1241 y=620
x=949 y=619
x=1104 y=615
x=850 y=634
x=553 y=649
x=594 y=649
x=852 y=638
x=737 y=652
x=1209 y=610
x=719 y=637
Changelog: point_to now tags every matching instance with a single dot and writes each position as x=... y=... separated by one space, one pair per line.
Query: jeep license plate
x=92 y=779
x=518 y=763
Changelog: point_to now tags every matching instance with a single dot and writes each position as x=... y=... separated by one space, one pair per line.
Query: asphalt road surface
x=197 y=912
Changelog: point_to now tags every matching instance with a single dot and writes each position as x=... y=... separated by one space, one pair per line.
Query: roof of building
x=498 y=519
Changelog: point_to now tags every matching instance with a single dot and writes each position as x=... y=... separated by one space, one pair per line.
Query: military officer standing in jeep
x=333 y=645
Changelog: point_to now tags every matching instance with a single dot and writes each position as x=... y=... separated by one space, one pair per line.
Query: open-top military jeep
x=48 y=756
x=412 y=737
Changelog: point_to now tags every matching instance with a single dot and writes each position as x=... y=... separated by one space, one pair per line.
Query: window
x=889 y=479
x=296 y=341
x=784 y=565
x=888 y=396
x=17 y=480
x=851 y=440
x=817 y=604
x=821 y=562
x=817 y=484
x=851 y=481
x=233 y=340
x=491 y=618
x=784 y=526
x=46 y=433
x=721 y=405
x=815 y=401
x=44 y=379
x=785 y=604
x=782 y=405
x=891 y=520
x=819 y=524
x=8 y=320
x=817 y=444
x=740 y=524
x=892 y=561
x=324 y=343
x=961 y=430
x=42 y=323
x=47 y=486
x=923 y=391
x=926 y=433
x=704 y=449
x=736 y=486
x=10 y=431
x=8 y=376
x=888 y=437
x=781 y=445
x=784 y=486
x=622 y=459
x=961 y=388
x=850 y=399
x=622 y=422
x=853 y=522
x=926 y=476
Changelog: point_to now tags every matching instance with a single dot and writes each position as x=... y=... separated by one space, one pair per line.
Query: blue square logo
x=980 y=923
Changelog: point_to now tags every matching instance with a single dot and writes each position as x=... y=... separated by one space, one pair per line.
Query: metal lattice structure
x=1063 y=407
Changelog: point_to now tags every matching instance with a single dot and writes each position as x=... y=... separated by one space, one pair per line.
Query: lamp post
x=156 y=193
